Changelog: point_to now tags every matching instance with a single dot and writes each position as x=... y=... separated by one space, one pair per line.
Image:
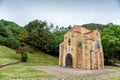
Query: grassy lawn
x=7 y=55
x=24 y=70
x=113 y=78
x=19 y=71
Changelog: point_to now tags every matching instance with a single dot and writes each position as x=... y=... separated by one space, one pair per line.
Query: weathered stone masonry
x=81 y=48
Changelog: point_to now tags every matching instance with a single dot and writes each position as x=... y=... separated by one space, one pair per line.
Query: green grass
x=7 y=55
x=113 y=78
x=19 y=71
x=113 y=67
x=24 y=70
x=40 y=58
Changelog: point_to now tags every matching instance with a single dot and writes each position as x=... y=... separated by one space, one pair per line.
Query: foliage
x=10 y=42
x=39 y=36
x=111 y=43
x=8 y=33
x=24 y=57
x=59 y=36
x=23 y=35
x=94 y=26
x=3 y=31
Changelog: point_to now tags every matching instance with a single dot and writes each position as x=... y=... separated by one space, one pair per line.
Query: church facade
x=81 y=48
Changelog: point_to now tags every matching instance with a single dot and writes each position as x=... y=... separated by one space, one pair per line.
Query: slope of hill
x=94 y=26
x=7 y=55
x=24 y=70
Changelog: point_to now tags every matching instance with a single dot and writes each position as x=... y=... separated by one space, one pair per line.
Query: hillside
x=94 y=26
x=7 y=55
x=24 y=70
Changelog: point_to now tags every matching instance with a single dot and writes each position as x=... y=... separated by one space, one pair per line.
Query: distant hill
x=9 y=32
x=94 y=26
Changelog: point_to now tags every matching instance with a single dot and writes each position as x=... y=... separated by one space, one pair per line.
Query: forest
x=39 y=35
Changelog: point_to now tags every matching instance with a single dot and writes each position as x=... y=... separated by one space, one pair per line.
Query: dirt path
x=1 y=66
x=77 y=74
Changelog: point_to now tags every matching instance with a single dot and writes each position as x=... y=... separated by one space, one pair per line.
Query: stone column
x=99 y=59
x=88 y=56
x=92 y=60
x=75 y=53
x=83 y=56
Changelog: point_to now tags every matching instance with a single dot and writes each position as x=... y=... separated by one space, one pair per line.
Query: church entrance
x=68 y=60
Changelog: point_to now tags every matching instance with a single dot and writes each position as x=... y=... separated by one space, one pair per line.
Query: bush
x=24 y=57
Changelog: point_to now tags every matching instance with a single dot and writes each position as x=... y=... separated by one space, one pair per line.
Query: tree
x=93 y=26
x=39 y=36
x=22 y=51
x=111 y=43
x=8 y=33
x=59 y=36
x=23 y=35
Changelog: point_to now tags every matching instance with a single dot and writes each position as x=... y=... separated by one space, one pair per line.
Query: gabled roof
x=80 y=29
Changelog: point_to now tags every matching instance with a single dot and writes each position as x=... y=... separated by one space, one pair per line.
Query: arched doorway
x=68 y=60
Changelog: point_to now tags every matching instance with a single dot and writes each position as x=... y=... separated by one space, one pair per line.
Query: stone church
x=81 y=48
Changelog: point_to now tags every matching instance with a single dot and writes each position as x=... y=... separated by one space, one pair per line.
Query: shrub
x=24 y=57
x=22 y=51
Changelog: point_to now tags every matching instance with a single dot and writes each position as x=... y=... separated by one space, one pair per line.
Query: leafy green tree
x=111 y=43
x=93 y=26
x=8 y=33
x=3 y=30
x=39 y=36
x=59 y=36
x=23 y=35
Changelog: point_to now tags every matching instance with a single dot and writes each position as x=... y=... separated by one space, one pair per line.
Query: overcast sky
x=61 y=12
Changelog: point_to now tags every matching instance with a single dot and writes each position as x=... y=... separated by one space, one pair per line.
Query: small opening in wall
x=69 y=41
